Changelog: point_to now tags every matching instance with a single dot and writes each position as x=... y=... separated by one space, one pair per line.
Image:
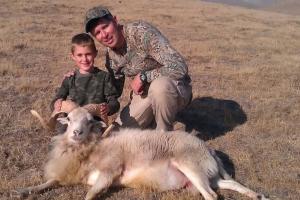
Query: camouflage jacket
x=146 y=50
x=83 y=89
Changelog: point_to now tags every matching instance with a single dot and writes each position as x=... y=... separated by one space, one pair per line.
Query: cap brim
x=89 y=23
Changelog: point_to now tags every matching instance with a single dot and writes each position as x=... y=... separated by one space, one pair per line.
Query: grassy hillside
x=245 y=69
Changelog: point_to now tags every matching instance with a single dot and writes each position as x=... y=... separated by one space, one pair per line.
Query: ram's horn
x=94 y=109
x=66 y=107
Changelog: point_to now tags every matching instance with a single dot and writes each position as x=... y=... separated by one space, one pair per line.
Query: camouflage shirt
x=146 y=50
x=83 y=89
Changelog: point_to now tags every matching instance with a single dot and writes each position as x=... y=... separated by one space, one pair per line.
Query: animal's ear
x=63 y=120
x=98 y=126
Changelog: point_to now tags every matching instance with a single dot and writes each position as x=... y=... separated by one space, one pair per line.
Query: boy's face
x=84 y=58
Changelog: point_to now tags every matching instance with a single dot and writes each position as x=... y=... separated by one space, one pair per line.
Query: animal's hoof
x=19 y=193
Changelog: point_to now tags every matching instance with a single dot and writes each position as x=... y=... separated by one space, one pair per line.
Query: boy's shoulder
x=99 y=73
x=95 y=73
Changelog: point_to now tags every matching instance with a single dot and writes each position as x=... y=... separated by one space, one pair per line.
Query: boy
x=89 y=85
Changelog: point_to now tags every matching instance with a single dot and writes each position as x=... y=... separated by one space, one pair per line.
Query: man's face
x=84 y=57
x=107 y=33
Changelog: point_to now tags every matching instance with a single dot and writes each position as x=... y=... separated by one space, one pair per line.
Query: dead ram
x=132 y=158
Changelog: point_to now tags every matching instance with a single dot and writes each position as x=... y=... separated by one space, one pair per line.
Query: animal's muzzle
x=77 y=132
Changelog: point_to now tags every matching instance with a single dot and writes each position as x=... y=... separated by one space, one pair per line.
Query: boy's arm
x=111 y=95
x=62 y=93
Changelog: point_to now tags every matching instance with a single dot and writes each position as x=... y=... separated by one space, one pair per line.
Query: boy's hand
x=137 y=85
x=57 y=105
x=103 y=109
x=100 y=110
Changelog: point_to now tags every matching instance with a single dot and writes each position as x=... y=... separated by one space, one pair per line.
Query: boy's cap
x=94 y=14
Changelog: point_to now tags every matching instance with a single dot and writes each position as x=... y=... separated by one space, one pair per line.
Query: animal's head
x=80 y=125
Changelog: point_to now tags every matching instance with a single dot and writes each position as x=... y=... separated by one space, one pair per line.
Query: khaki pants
x=164 y=99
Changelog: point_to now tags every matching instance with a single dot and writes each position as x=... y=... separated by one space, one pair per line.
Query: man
x=160 y=81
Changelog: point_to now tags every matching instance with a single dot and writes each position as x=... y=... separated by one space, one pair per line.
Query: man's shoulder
x=139 y=26
x=141 y=33
x=70 y=79
x=138 y=23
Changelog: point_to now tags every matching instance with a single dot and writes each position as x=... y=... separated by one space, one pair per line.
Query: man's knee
x=138 y=113
x=162 y=88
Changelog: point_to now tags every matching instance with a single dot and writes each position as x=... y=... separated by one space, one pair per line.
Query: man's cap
x=94 y=14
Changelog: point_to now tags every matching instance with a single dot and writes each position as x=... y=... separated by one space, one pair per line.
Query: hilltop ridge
x=291 y=7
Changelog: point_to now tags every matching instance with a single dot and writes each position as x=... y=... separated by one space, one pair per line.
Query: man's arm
x=159 y=48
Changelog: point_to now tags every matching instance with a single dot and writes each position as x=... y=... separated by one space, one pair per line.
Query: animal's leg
x=222 y=171
x=102 y=183
x=199 y=180
x=22 y=192
x=233 y=185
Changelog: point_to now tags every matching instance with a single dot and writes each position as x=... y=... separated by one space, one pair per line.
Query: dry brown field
x=245 y=68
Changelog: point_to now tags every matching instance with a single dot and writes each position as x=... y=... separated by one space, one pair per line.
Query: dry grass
x=245 y=67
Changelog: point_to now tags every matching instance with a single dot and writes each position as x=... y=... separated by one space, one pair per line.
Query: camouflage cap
x=94 y=14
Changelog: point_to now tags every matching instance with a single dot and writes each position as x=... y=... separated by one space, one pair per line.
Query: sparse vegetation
x=245 y=67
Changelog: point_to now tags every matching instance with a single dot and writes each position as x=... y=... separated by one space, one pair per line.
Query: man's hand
x=137 y=85
x=69 y=74
x=57 y=105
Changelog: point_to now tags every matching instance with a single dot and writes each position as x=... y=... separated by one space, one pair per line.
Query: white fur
x=93 y=176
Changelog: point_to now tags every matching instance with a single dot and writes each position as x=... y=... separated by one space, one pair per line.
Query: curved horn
x=38 y=116
x=94 y=109
x=50 y=125
x=66 y=107
x=52 y=121
x=108 y=130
